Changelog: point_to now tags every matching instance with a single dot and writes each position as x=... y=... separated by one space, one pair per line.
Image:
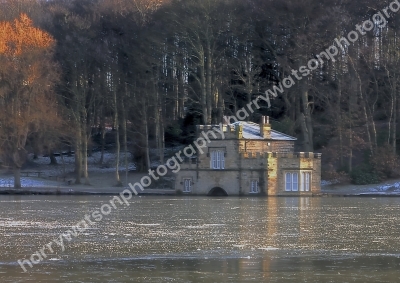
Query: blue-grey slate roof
x=252 y=131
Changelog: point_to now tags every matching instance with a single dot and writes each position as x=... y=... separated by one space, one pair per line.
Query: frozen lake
x=198 y=239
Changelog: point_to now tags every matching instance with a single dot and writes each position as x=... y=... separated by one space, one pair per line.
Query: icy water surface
x=195 y=239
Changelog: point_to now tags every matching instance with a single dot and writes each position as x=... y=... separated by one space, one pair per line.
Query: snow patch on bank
x=8 y=182
x=388 y=188
x=67 y=163
x=56 y=175
x=328 y=183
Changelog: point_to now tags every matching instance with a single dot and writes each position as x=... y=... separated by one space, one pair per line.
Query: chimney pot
x=265 y=127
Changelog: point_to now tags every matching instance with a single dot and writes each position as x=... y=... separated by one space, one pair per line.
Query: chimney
x=265 y=127
x=239 y=131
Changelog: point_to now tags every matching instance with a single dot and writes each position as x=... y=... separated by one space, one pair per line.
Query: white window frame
x=305 y=181
x=217 y=159
x=254 y=188
x=187 y=185
x=292 y=181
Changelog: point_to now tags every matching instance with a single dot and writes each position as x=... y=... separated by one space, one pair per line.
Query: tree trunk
x=175 y=115
x=85 y=158
x=146 y=140
x=103 y=138
x=117 y=156
x=220 y=106
x=339 y=122
x=394 y=130
x=304 y=130
x=364 y=107
x=160 y=134
x=17 y=177
x=209 y=84
x=352 y=102
x=162 y=139
x=366 y=118
x=350 y=149
x=341 y=162
x=392 y=109
x=117 y=142
x=306 y=123
x=181 y=95
x=125 y=140
x=53 y=160
x=125 y=149
x=63 y=164
x=69 y=152
x=78 y=157
x=203 y=94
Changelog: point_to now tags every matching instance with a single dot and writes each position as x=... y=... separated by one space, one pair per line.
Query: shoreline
x=164 y=192
x=390 y=188
x=71 y=191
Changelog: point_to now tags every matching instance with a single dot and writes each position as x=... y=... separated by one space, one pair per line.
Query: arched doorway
x=217 y=192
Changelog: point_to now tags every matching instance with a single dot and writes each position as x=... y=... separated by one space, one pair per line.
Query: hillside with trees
x=152 y=69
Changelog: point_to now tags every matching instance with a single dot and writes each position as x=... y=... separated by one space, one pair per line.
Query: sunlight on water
x=167 y=239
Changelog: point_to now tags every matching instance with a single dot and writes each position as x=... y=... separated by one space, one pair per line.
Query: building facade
x=249 y=159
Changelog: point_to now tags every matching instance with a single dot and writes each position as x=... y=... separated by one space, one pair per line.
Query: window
x=305 y=181
x=254 y=186
x=217 y=160
x=187 y=185
x=291 y=181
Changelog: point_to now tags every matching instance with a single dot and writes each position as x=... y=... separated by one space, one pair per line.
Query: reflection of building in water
x=272 y=218
x=248 y=265
x=291 y=220
x=307 y=220
x=280 y=224
x=250 y=234
x=288 y=219
x=246 y=158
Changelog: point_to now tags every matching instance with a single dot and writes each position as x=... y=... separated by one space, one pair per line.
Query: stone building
x=249 y=159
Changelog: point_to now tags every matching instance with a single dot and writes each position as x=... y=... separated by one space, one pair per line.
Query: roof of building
x=252 y=131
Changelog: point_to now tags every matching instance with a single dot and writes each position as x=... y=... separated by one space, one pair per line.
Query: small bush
x=335 y=176
x=384 y=163
x=364 y=175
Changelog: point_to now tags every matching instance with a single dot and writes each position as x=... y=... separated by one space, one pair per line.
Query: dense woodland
x=152 y=69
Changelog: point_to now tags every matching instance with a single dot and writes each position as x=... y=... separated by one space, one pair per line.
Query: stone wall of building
x=297 y=162
x=240 y=169
x=230 y=147
x=265 y=146
x=203 y=181
x=271 y=175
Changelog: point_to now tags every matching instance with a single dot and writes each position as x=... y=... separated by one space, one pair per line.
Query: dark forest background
x=151 y=70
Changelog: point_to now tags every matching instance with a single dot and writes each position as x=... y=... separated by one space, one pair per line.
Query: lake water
x=196 y=239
